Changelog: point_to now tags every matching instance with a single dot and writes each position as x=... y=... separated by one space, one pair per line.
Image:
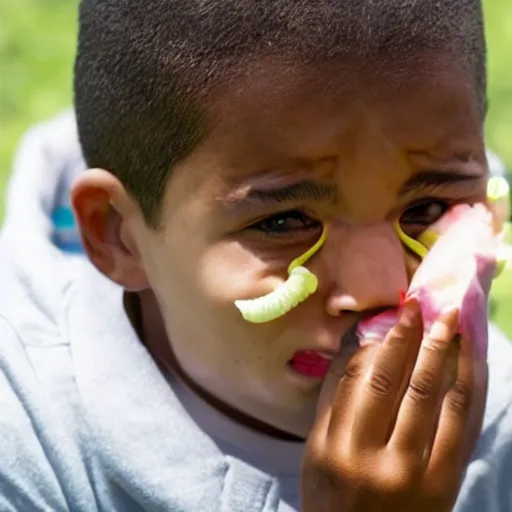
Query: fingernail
x=447 y=324
x=409 y=312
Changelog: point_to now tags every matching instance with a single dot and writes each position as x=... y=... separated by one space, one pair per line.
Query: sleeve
x=488 y=482
x=38 y=471
x=240 y=491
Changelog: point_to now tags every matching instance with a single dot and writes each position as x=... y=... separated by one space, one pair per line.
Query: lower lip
x=310 y=364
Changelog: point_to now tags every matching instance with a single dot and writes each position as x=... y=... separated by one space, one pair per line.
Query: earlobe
x=103 y=210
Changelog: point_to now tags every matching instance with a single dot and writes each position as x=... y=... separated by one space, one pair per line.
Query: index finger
x=383 y=386
x=339 y=390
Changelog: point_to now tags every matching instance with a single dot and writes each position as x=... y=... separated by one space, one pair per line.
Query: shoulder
x=35 y=276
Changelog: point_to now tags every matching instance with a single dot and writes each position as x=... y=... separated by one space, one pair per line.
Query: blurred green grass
x=37 y=44
x=501 y=298
x=501 y=302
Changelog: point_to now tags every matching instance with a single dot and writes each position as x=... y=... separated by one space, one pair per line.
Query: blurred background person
x=46 y=162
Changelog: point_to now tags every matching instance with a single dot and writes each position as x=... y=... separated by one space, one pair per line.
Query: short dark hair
x=144 y=67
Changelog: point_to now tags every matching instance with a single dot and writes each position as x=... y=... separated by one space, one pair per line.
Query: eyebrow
x=435 y=178
x=306 y=190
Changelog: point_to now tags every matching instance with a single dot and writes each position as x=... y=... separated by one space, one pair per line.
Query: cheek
x=411 y=264
x=212 y=343
x=196 y=296
x=226 y=274
x=196 y=290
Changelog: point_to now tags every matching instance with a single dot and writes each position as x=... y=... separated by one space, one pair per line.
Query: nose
x=366 y=266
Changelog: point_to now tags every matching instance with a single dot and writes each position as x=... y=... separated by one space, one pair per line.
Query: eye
x=285 y=223
x=420 y=215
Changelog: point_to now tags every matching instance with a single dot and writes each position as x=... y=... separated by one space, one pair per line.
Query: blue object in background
x=66 y=236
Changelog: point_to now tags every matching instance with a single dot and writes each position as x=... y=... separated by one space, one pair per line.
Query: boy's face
x=291 y=149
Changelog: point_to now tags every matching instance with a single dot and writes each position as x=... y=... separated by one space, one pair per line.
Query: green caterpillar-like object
x=301 y=283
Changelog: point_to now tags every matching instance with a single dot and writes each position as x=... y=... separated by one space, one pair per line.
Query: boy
x=221 y=136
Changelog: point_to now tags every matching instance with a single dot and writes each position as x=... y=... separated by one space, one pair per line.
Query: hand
x=397 y=423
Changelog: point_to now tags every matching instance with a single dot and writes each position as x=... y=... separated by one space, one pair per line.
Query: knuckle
x=402 y=480
x=397 y=487
x=422 y=387
x=459 y=398
x=380 y=384
x=435 y=345
x=404 y=332
x=354 y=369
x=442 y=490
x=315 y=446
x=324 y=469
x=397 y=483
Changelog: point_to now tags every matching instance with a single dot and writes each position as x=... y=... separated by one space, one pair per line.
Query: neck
x=144 y=313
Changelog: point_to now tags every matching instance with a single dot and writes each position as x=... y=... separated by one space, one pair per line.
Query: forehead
x=277 y=110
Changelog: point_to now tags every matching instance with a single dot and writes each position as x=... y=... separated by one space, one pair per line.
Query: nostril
x=341 y=303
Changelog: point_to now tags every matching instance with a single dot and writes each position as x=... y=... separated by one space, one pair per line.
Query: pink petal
x=375 y=328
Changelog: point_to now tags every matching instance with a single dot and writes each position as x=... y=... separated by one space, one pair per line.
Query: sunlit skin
x=288 y=150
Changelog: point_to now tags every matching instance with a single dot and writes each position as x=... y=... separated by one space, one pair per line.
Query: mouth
x=314 y=364
x=311 y=363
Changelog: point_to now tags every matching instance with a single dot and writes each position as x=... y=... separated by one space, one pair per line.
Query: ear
x=106 y=214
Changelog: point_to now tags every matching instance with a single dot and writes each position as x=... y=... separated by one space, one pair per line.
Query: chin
x=295 y=416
